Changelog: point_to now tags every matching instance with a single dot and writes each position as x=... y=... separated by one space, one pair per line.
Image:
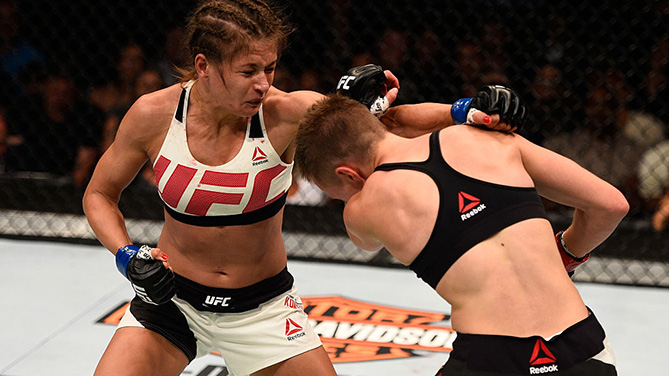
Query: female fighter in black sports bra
x=461 y=207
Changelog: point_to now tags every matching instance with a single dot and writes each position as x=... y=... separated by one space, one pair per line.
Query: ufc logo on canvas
x=181 y=184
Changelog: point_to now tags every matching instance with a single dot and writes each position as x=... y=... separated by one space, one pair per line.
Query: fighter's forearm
x=106 y=220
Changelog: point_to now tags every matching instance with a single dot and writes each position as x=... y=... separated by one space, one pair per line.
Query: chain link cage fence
x=594 y=74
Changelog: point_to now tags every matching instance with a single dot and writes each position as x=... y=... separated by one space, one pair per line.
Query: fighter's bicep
x=121 y=162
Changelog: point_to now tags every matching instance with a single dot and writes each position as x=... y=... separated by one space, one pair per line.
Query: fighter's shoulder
x=157 y=104
x=151 y=113
x=368 y=209
x=378 y=191
x=475 y=135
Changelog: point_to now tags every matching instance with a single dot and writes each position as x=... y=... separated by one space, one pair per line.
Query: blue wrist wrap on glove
x=459 y=110
x=123 y=257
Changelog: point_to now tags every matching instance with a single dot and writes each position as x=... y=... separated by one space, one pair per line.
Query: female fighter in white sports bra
x=221 y=145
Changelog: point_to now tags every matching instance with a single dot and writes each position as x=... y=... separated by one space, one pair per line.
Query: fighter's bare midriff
x=509 y=285
x=225 y=257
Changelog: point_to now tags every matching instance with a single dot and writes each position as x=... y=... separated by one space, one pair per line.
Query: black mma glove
x=492 y=99
x=151 y=280
x=365 y=84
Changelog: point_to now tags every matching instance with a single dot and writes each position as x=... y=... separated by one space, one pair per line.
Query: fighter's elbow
x=620 y=206
x=616 y=206
x=365 y=244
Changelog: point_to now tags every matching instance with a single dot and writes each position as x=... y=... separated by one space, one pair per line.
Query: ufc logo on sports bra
x=201 y=199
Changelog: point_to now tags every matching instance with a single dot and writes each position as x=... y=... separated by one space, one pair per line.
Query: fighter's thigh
x=139 y=351
x=313 y=362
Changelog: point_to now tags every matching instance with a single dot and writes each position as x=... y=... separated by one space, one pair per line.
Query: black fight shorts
x=580 y=350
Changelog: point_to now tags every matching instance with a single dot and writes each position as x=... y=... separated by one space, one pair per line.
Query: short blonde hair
x=335 y=130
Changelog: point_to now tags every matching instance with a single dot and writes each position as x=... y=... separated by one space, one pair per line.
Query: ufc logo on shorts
x=344 y=82
x=222 y=301
x=181 y=183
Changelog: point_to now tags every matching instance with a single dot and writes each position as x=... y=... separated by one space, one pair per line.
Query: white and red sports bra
x=250 y=188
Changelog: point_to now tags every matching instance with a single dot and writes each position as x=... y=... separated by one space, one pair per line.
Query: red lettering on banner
x=261 y=186
x=176 y=185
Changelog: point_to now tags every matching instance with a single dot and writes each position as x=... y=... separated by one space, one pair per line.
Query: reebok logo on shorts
x=293 y=330
x=542 y=359
x=469 y=205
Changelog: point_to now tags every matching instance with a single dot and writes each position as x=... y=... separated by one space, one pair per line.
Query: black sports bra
x=470 y=211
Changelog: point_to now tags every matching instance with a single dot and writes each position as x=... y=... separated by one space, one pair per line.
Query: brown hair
x=221 y=29
x=337 y=129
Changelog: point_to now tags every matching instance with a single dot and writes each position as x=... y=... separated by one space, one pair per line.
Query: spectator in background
x=601 y=144
x=6 y=96
x=361 y=58
x=469 y=62
x=494 y=36
x=172 y=55
x=15 y=55
x=481 y=59
x=657 y=79
x=8 y=93
x=393 y=49
x=15 y=51
x=55 y=133
x=31 y=79
x=492 y=76
x=653 y=171
x=551 y=102
x=557 y=41
x=642 y=127
x=4 y=135
x=148 y=81
x=121 y=91
x=311 y=79
x=660 y=216
x=428 y=58
x=284 y=80
x=392 y=53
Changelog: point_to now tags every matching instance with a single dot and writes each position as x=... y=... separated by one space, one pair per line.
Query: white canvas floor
x=52 y=296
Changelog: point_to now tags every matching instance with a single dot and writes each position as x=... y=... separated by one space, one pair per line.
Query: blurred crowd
x=610 y=121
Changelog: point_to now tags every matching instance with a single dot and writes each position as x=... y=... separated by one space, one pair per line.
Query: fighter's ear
x=202 y=65
x=350 y=174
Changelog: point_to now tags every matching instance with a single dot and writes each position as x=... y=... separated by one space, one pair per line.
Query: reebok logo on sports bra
x=259 y=156
x=469 y=205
